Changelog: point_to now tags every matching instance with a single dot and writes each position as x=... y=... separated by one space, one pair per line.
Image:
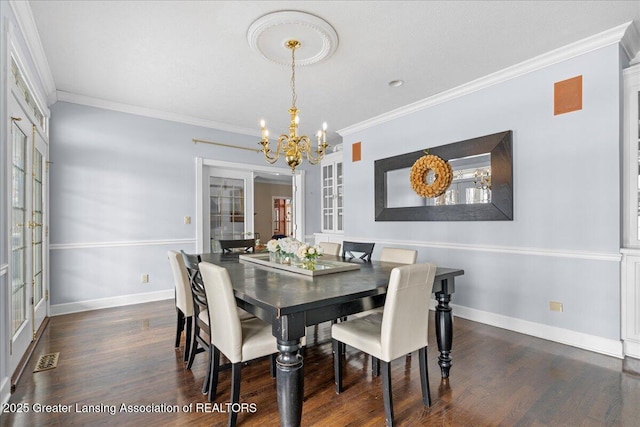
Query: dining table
x=291 y=301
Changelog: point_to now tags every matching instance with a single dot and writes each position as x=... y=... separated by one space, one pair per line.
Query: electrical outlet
x=187 y=220
x=145 y=278
x=555 y=306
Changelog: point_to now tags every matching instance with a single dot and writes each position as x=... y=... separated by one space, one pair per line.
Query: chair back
x=248 y=245
x=398 y=255
x=405 y=318
x=329 y=248
x=195 y=280
x=366 y=249
x=224 y=322
x=184 y=299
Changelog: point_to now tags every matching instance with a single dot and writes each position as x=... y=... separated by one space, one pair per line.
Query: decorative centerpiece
x=288 y=249
x=309 y=255
x=283 y=250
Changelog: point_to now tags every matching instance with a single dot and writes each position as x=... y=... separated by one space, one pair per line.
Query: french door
x=28 y=287
x=230 y=202
x=239 y=176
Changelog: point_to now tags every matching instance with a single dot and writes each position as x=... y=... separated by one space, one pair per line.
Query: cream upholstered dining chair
x=330 y=248
x=239 y=341
x=184 y=301
x=401 y=329
x=399 y=255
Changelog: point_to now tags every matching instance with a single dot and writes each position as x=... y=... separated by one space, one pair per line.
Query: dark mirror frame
x=499 y=145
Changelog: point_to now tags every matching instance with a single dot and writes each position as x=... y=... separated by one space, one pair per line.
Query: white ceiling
x=192 y=58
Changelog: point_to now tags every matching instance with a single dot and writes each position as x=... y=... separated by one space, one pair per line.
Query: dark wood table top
x=282 y=292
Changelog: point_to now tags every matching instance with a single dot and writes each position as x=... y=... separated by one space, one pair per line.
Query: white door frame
x=297 y=183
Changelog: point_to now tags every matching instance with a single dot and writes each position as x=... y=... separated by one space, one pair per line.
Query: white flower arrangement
x=289 y=245
x=309 y=252
x=273 y=246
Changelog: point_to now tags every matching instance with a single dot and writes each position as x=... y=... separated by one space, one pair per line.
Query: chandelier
x=294 y=148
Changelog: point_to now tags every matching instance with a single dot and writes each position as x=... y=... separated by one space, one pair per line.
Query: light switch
x=555 y=306
x=187 y=220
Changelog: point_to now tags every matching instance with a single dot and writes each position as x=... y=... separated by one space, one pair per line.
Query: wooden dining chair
x=246 y=245
x=365 y=249
x=199 y=343
x=239 y=341
x=184 y=301
x=330 y=248
x=402 y=328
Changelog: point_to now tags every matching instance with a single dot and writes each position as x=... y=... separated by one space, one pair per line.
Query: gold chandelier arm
x=308 y=152
x=268 y=154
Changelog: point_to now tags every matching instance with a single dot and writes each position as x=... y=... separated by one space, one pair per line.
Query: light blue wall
x=567 y=197
x=118 y=177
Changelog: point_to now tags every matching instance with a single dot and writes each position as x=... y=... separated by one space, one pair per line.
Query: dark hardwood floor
x=125 y=356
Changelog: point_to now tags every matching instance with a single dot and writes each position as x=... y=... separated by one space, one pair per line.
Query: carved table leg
x=290 y=383
x=444 y=332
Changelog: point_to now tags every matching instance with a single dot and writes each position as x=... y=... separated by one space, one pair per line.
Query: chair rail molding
x=514 y=250
x=93 y=245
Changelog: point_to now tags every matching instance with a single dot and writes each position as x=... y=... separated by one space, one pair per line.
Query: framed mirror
x=481 y=190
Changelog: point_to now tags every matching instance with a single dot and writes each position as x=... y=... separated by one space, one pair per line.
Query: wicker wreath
x=443 y=175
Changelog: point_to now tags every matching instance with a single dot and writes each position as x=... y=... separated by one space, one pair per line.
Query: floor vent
x=47 y=361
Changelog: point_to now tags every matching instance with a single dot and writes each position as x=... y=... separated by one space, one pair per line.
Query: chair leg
x=337 y=365
x=207 y=376
x=187 y=339
x=179 y=327
x=386 y=393
x=424 y=376
x=213 y=374
x=194 y=344
x=375 y=366
x=235 y=393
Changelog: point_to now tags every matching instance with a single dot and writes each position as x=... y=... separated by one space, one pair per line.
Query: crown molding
x=153 y=113
x=631 y=42
x=627 y=34
x=29 y=30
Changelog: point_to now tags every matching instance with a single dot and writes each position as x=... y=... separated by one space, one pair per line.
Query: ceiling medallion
x=318 y=40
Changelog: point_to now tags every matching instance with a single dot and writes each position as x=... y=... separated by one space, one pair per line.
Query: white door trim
x=297 y=193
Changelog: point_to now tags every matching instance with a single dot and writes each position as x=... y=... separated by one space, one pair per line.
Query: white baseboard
x=76 y=307
x=632 y=349
x=593 y=343
x=5 y=390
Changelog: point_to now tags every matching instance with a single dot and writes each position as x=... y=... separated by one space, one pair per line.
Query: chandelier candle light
x=294 y=147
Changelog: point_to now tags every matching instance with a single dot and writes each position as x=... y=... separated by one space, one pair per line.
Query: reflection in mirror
x=471 y=184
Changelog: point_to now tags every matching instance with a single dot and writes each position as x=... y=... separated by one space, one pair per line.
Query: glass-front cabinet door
x=332 y=202
x=630 y=274
x=632 y=157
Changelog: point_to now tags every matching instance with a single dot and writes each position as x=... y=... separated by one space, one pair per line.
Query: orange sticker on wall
x=567 y=95
x=356 y=152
